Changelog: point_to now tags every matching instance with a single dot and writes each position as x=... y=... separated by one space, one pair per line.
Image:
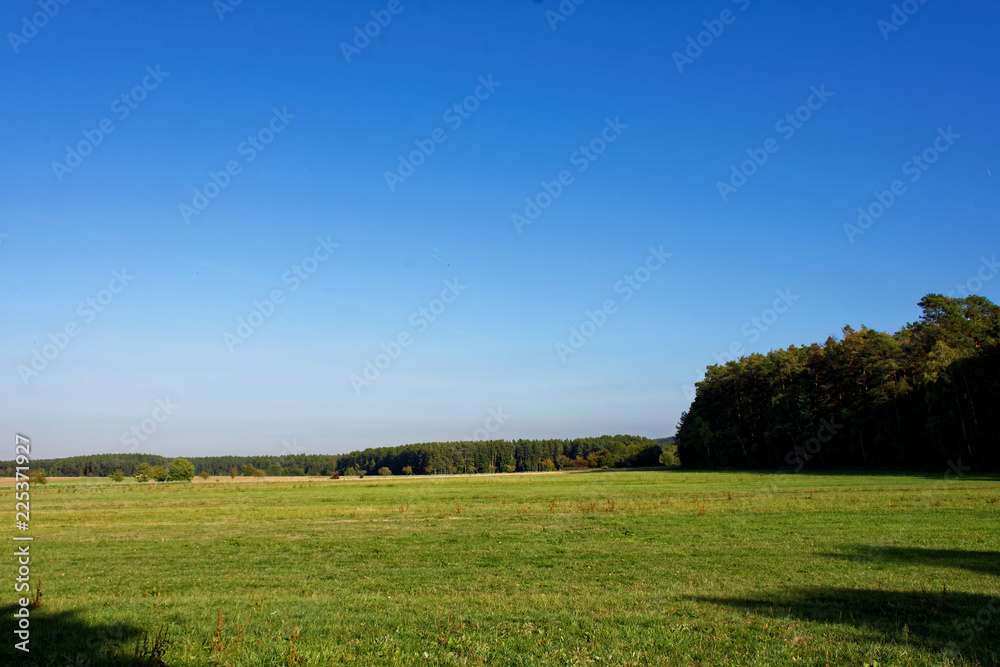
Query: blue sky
x=641 y=137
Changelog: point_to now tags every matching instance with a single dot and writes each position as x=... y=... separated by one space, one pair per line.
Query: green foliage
x=37 y=476
x=233 y=472
x=385 y=472
x=914 y=399
x=204 y=474
x=117 y=476
x=143 y=472
x=248 y=470
x=407 y=470
x=158 y=473
x=181 y=470
x=669 y=457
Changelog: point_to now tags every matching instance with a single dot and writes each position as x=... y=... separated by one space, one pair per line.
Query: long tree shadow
x=984 y=562
x=63 y=638
x=963 y=624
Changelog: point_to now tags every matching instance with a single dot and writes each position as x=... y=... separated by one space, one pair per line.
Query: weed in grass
x=38 y=594
x=149 y=650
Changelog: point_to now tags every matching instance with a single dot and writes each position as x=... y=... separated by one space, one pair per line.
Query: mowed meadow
x=643 y=567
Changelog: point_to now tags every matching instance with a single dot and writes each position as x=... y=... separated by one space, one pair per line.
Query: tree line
x=925 y=397
x=434 y=458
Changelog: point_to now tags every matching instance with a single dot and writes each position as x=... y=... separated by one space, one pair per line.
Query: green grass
x=608 y=568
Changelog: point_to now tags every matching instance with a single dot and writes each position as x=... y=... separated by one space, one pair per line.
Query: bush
x=259 y=473
x=117 y=476
x=181 y=470
x=37 y=476
x=335 y=475
x=248 y=470
x=204 y=474
x=669 y=456
x=385 y=472
x=143 y=473
x=233 y=472
x=548 y=465
x=407 y=470
x=159 y=473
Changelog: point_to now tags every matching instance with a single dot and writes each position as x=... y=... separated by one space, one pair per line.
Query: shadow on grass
x=983 y=562
x=965 y=624
x=63 y=638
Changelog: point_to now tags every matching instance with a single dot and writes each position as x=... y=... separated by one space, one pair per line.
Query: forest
x=925 y=397
x=434 y=458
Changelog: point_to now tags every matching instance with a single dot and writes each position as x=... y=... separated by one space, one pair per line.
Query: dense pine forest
x=925 y=397
x=433 y=458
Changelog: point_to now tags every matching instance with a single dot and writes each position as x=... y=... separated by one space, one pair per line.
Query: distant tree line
x=435 y=458
x=920 y=398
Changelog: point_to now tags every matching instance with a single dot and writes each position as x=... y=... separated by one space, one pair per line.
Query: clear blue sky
x=337 y=119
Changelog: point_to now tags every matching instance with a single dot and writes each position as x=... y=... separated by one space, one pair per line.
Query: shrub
x=181 y=470
x=143 y=473
x=669 y=456
x=233 y=472
x=385 y=472
x=247 y=470
x=335 y=475
x=407 y=470
x=548 y=465
x=259 y=473
x=204 y=474
x=159 y=473
x=117 y=476
x=37 y=476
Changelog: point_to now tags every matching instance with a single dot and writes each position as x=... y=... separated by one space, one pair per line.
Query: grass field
x=652 y=567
